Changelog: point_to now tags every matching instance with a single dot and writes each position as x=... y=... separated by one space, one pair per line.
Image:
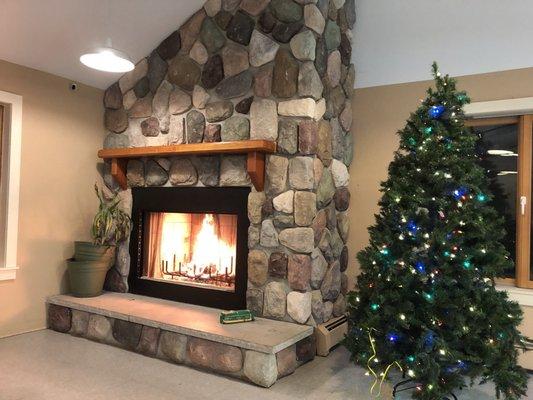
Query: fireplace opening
x=191 y=249
x=190 y=245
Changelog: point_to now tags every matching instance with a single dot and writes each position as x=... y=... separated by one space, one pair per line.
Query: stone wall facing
x=255 y=69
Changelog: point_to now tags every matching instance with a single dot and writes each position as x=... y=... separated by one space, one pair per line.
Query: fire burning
x=198 y=249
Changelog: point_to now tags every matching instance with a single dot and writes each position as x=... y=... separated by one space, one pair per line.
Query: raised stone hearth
x=260 y=352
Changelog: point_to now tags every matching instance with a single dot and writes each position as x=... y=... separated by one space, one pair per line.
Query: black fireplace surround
x=228 y=200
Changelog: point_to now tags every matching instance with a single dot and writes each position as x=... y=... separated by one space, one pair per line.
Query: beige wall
x=379 y=112
x=61 y=132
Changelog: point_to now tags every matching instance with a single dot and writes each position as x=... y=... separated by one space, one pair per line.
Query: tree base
x=410 y=384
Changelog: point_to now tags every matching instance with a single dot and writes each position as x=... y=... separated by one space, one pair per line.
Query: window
x=10 y=147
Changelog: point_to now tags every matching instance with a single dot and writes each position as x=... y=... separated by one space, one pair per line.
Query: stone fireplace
x=190 y=245
x=275 y=70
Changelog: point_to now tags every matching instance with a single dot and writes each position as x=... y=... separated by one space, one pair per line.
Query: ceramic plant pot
x=87 y=277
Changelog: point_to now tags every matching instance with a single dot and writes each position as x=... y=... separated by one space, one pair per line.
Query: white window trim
x=499 y=108
x=505 y=108
x=13 y=128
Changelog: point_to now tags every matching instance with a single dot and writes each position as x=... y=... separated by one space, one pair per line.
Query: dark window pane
x=498 y=149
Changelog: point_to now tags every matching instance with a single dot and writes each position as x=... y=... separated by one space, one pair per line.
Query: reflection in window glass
x=498 y=151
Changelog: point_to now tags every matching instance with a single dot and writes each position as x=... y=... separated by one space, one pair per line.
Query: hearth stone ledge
x=67 y=315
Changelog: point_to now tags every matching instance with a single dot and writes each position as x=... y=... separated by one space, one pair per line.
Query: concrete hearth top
x=263 y=335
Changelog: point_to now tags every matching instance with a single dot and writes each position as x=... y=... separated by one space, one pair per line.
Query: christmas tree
x=426 y=302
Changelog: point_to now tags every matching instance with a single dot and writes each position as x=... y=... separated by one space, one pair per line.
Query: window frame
x=12 y=140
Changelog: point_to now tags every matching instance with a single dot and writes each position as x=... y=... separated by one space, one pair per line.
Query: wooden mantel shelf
x=255 y=149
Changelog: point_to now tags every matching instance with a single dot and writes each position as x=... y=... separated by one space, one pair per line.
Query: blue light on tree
x=436 y=112
x=392 y=337
x=420 y=267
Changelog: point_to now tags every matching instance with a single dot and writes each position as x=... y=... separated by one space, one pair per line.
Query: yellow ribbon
x=372 y=372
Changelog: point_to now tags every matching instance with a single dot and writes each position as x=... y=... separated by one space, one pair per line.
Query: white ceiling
x=396 y=41
x=50 y=35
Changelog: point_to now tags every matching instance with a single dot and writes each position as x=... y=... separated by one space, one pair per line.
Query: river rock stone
x=263 y=81
x=59 y=318
x=307 y=137
x=213 y=72
x=170 y=46
x=235 y=59
x=342 y=199
x=182 y=173
x=212 y=38
x=275 y=300
x=299 y=306
x=184 y=72
x=113 y=97
x=306 y=349
x=285 y=75
x=176 y=131
x=345 y=118
x=114 y=282
x=331 y=285
x=127 y=333
x=157 y=69
x=319 y=223
x=243 y=106
x=212 y=133
x=276 y=174
x=254 y=233
x=288 y=136
x=319 y=267
x=304 y=208
x=283 y=32
x=212 y=7
x=341 y=177
x=142 y=88
x=230 y=5
x=254 y=301
x=195 y=126
x=326 y=189
x=349 y=9
x=129 y=99
x=303 y=46
x=314 y=19
x=277 y=265
x=339 y=307
x=260 y=368
x=116 y=120
x=282 y=221
x=309 y=82
x=301 y=173
x=328 y=310
x=172 y=346
x=286 y=10
x=262 y=49
x=284 y=202
x=255 y=203
x=299 y=272
x=257 y=267
x=332 y=35
x=286 y=361
x=236 y=128
x=235 y=86
x=79 y=323
x=267 y=22
x=345 y=50
x=254 y=7
x=343 y=259
x=333 y=70
x=343 y=225
x=148 y=341
x=155 y=174
x=335 y=102
x=298 y=239
x=317 y=306
x=348 y=149
x=150 y=127
x=337 y=139
x=263 y=120
x=135 y=173
x=233 y=171
x=142 y=108
x=100 y=329
x=297 y=108
x=208 y=168
x=269 y=235
x=240 y=28
x=321 y=57
x=218 y=111
x=129 y=79
x=190 y=30
x=199 y=53
x=179 y=102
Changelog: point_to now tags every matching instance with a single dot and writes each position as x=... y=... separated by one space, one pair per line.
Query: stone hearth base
x=260 y=352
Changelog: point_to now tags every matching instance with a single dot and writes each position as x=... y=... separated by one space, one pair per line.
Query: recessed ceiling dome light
x=107 y=59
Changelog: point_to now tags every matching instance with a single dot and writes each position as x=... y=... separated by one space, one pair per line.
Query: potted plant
x=88 y=269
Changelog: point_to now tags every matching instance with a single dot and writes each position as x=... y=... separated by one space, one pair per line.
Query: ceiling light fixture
x=107 y=59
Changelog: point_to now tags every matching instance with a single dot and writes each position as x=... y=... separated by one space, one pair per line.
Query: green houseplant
x=91 y=261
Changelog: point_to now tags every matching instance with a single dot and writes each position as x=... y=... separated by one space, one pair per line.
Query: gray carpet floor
x=46 y=365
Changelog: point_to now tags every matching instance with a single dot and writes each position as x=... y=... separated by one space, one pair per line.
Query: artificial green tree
x=425 y=300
